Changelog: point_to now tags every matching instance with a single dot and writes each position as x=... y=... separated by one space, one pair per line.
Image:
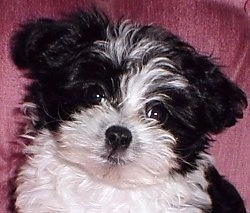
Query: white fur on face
x=147 y=160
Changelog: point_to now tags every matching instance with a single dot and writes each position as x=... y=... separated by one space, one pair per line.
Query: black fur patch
x=225 y=198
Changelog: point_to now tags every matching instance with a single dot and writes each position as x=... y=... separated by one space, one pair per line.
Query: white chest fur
x=48 y=185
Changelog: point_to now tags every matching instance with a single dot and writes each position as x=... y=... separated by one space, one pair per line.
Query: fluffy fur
x=121 y=116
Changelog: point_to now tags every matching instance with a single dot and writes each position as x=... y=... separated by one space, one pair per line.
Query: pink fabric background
x=218 y=28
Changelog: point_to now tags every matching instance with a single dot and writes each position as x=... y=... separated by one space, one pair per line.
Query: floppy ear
x=221 y=102
x=47 y=43
x=48 y=48
x=43 y=43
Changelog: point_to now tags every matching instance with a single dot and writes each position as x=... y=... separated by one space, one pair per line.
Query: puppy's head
x=125 y=103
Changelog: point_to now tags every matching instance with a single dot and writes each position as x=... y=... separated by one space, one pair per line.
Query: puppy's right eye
x=95 y=95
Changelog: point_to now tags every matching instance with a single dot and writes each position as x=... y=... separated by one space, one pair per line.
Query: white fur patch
x=48 y=183
x=67 y=172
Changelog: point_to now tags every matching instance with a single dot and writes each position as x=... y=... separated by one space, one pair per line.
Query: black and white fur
x=121 y=116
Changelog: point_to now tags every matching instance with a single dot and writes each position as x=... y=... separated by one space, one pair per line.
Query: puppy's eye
x=95 y=95
x=156 y=110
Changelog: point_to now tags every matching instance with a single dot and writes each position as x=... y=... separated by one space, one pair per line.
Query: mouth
x=116 y=160
x=115 y=157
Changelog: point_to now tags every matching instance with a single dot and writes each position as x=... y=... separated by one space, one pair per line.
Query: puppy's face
x=121 y=130
x=127 y=104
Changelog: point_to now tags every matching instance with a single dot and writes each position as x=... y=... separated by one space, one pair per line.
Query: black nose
x=118 y=137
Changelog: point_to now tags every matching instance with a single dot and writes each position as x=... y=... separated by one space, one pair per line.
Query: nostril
x=118 y=137
x=112 y=138
x=125 y=138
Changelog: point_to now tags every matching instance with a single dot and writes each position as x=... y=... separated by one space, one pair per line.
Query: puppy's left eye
x=157 y=111
x=95 y=95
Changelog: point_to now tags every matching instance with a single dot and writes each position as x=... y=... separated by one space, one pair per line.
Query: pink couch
x=220 y=29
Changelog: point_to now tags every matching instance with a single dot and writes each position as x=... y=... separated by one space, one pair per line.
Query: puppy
x=120 y=120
